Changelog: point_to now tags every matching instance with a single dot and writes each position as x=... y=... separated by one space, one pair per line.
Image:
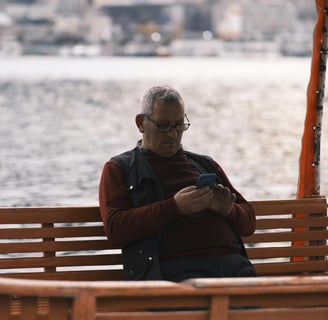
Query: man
x=149 y=204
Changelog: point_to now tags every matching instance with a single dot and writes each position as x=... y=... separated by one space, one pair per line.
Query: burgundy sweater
x=204 y=233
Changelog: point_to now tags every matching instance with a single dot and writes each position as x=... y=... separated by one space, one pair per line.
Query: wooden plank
x=76 y=275
x=280 y=314
x=59 y=309
x=253 y=285
x=76 y=231
x=153 y=299
x=285 y=268
x=219 y=307
x=84 y=306
x=278 y=252
x=307 y=205
x=287 y=236
x=297 y=297
x=62 y=261
x=31 y=215
x=49 y=239
x=158 y=315
x=280 y=223
x=29 y=307
x=268 y=314
x=79 y=245
x=4 y=307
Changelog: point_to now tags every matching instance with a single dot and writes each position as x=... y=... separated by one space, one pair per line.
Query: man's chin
x=168 y=150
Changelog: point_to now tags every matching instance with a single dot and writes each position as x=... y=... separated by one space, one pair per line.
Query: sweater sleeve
x=124 y=224
x=242 y=217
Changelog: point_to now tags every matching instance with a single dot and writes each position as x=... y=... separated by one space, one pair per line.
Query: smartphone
x=206 y=179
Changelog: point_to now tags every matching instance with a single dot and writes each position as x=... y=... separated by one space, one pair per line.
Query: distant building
x=152 y=26
x=73 y=7
x=230 y=25
x=253 y=20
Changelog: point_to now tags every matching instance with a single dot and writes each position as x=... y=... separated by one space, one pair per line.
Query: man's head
x=162 y=120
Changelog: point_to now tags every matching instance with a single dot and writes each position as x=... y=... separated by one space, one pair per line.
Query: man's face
x=165 y=144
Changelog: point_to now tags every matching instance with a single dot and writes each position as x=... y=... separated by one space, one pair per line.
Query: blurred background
x=155 y=27
x=72 y=73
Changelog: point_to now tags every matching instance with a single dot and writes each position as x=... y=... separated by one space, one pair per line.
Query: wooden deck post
x=84 y=306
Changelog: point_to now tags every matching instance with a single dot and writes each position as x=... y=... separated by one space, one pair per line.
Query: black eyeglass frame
x=165 y=128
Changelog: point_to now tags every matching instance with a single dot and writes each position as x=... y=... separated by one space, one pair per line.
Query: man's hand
x=222 y=201
x=191 y=200
x=218 y=199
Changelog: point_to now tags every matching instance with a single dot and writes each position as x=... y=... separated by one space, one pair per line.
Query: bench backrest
x=290 y=238
x=68 y=243
x=56 y=243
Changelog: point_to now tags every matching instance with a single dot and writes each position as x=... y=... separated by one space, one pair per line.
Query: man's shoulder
x=127 y=159
x=124 y=155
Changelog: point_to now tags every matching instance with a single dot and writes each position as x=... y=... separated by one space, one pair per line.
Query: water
x=62 y=119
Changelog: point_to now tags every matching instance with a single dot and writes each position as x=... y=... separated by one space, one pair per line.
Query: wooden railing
x=277 y=298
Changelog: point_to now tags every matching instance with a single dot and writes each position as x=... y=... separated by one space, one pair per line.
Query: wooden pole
x=309 y=171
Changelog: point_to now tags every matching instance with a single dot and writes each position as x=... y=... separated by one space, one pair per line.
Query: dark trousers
x=231 y=265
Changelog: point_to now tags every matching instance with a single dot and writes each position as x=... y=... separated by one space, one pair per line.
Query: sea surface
x=61 y=119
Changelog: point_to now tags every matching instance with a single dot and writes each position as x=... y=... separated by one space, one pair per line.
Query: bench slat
x=49 y=215
x=54 y=246
x=277 y=207
x=52 y=232
x=62 y=261
x=285 y=268
x=278 y=252
x=76 y=275
x=287 y=236
x=305 y=222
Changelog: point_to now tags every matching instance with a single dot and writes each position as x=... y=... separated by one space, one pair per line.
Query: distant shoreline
x=106 y=68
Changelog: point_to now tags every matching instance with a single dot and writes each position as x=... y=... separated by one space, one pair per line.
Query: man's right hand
x=191 y=200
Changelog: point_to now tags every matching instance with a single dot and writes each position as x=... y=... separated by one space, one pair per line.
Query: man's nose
x=173 y=132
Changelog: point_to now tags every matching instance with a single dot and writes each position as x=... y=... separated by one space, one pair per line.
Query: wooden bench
x=68 y=243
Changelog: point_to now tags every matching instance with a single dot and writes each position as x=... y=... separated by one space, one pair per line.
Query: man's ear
x=139 y=122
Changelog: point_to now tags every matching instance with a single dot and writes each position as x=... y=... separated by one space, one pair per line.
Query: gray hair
x=164 y=93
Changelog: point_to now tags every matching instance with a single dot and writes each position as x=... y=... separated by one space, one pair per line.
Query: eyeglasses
x=165 y=128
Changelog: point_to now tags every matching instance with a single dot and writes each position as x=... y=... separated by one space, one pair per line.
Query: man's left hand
x=223 y=200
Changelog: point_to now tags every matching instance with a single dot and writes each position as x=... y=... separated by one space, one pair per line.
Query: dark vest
x=141 y=259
